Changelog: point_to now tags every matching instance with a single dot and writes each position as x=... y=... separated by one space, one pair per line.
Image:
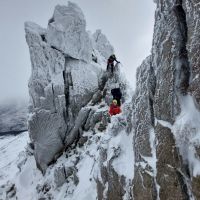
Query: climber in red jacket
x=114 y=108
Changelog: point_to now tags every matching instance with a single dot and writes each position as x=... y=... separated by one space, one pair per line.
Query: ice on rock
x=149 y=151
x=63 y=80
x=102 y=44
x=170 y=145
x=68 y=120
x=85 y=82
x=67 y=32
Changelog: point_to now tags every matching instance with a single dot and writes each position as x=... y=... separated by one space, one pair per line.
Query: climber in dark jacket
x=116 y=92
x=110 y=62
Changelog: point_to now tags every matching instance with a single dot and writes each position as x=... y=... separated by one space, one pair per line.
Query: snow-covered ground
x=10 y=148
x=19 y=168
x=13 y=156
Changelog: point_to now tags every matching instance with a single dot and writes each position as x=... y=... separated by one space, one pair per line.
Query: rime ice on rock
x=69 y=101
x=167 y=152
x=67 y=32
x=62 y=80
x=70 y=93
x=102 y=44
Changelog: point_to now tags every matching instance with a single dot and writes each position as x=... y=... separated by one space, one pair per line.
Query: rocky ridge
x=66 y=76
x=149 y=151
x=77 y=147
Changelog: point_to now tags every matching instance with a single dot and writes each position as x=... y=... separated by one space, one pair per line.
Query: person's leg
x=112 y=68
x=107 y=67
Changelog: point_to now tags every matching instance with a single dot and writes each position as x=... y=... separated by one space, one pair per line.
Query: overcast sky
x=128 y=24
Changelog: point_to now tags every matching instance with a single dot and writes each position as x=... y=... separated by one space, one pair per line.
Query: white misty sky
x=128 y=24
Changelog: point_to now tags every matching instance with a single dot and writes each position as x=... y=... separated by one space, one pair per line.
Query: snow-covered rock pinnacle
x=81 y=152
x=67 y=73
x=76 y=150
x=67 y=32
x=102 y=44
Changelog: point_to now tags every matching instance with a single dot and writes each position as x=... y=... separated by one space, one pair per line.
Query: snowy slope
x=12 y=153
x=90 y=162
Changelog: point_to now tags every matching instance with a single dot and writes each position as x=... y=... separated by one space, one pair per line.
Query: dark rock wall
x=160 y=171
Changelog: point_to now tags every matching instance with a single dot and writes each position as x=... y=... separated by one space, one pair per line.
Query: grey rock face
x=63 y=81
x=75 y=133
x=191 y=9
x=169 y=166
x=167 y=44
x=115 y=183
x=143 y=123
x=66 y=32
x=102 y=44
x=97 y=97
x=163 y=168
x=59 y=176
x=143 y=103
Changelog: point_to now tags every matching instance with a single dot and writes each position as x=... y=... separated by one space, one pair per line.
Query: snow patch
x=187 y=133
x=10 y=148
x=124 y=163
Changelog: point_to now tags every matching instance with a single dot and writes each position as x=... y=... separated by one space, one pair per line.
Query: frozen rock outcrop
x=69 y=123
x=143 y=123
x=67 y=32
x=102 y=44
x=64 y=79
x=149 y=151
x=166 y=132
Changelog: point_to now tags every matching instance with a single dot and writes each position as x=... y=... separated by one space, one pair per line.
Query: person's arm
x=117 y=60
